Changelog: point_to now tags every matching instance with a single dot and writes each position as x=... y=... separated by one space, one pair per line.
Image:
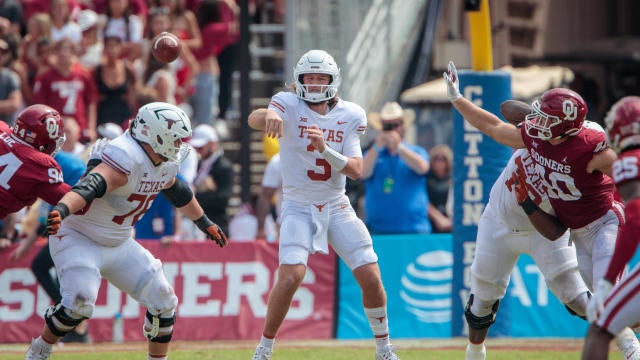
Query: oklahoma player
x=27 y=168
x=319 y=146
x=571 y=161
x=614 y=309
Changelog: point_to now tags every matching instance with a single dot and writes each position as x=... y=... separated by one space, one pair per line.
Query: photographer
x=394 y=173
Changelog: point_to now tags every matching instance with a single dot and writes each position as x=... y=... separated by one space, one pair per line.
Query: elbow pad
x=179 y=194
x=91 y=186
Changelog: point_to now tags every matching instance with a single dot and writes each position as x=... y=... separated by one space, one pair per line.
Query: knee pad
x=160 y=327
x=61 y=320
x=480 y=322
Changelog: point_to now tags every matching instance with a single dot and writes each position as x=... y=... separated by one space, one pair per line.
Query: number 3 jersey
x=560 y=171
x=307 y=177
x=109 y=220
x=26 y=174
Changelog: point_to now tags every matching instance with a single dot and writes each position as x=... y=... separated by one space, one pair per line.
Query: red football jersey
x=577 y=197
x=626 y=168
x=71 y=95
x=26 y=174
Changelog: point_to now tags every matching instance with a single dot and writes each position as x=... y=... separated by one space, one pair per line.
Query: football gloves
x=211 y=230
x=595 y=306
x=453 y=84
x=54 y=219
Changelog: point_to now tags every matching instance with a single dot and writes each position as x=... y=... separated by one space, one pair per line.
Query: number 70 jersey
x=306 y=176
x=109 y=220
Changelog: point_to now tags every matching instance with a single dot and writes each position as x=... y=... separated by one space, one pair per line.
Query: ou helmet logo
x=52 y=127
x=570 y=110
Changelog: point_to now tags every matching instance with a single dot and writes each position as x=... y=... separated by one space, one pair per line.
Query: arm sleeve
x=627 y=241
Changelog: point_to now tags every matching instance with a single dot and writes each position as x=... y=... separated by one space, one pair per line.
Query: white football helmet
x=160 y=124
x=318 y=62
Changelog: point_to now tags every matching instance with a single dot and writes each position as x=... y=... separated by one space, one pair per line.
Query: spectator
x=12 y=11
x=10 y=95
x=394 y=173
x=205 y=97
x=91 y=46
x=163 y=76
x=38 y=32
x=439 y=188
x=268 y=205
x=230 y=13
x=214 y=181
x=120 y=21
x=72 y=134
x=244 y=225
x=69 y=88
x=115 y=83
x=185 y=26
x=62 y=25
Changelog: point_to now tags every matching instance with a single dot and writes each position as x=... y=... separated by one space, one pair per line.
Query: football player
x=571 y=163
x=126 y=175
x=614 y=308
x=27 y=168
x=319 y=147
x=504 y=233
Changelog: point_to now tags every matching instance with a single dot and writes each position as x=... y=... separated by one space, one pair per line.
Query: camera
x=389 y=126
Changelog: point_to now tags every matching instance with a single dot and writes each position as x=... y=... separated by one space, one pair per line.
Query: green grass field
x=497 y=349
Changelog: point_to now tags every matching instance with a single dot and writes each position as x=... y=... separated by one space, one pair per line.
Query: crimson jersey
x=625 y=169
x=26 y=174
x=71 y=95
x=577 y=197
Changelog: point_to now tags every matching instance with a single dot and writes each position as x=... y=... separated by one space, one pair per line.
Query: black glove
x=212 y=230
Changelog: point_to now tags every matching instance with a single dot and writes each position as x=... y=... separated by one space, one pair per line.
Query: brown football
x=514 y=111
x=166 y=47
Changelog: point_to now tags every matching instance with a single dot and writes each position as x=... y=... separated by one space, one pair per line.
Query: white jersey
x=307 y=176
x=502 y=197
x=109 y=220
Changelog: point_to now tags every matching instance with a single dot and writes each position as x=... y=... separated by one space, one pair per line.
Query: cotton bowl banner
x=223 y=295
x=477 y=164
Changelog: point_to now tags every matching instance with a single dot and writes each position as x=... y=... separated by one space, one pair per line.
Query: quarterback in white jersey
x=319 y=146
x=95 y=238
x=504 y=233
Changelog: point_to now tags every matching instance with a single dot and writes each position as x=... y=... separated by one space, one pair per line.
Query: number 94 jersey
x=307 y=177
x=26 y=174
x=109 y=220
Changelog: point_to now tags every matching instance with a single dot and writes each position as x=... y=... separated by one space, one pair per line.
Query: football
x=166 y=47
x=514 y=111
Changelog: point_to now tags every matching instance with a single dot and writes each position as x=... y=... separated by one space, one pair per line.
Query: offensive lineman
x=504 y=233
x=132 y=170
x=319 y=147
x=571 y=163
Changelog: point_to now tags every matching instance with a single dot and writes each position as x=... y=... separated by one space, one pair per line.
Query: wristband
x=529 y=206
x=334 y=158
x=203 y=222
x=62 y=209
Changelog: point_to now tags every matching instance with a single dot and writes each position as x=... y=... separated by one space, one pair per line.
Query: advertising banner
x=222 y=295
x=417 y=272
x=478 y=163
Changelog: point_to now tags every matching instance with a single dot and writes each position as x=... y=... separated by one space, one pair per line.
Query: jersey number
x=625 y=168
x=144 y=201
x=326 y=167
x=9 y=164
